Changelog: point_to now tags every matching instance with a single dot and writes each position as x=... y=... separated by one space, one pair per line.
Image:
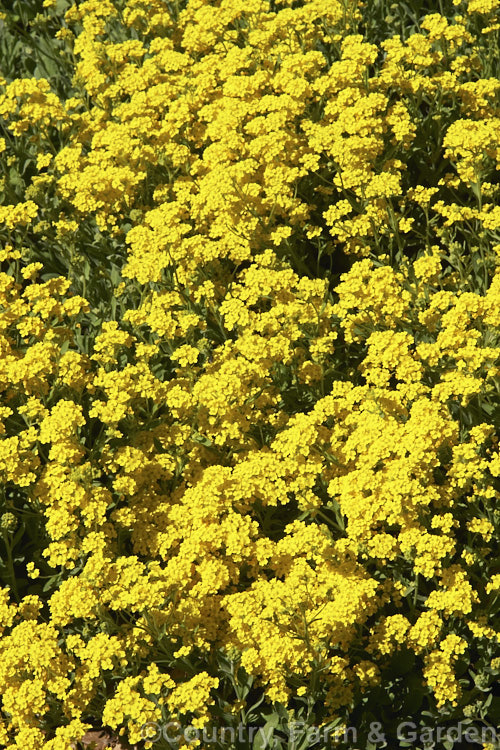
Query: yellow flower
x=32 y=571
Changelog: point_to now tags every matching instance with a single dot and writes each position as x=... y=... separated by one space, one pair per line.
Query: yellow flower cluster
x=231 y=455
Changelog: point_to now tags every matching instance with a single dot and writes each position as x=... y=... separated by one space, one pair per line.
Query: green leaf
x=263 y=738
x=494 y=710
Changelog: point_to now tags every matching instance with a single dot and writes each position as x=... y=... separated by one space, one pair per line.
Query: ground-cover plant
x=249 y=329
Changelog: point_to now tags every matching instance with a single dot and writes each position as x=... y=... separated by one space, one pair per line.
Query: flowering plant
x=249 y=373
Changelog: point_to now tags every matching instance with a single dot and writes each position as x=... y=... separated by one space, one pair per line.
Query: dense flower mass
x=249 y=372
